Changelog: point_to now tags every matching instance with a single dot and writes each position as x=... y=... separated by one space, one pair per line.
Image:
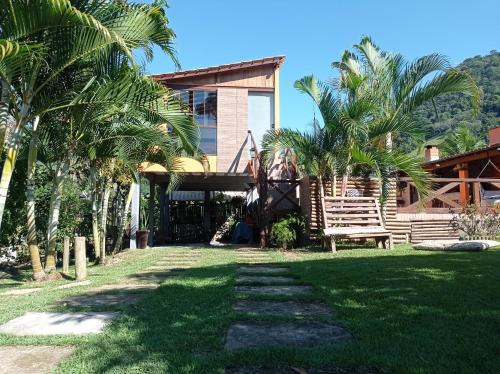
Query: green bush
x=284 y=233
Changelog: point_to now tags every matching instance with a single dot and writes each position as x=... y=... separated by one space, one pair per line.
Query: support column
x=134 y=212
x=476 y=186
x=463 y=172
x=151 y=212
x=161 y=239
x=206 y=214
x=167 y=217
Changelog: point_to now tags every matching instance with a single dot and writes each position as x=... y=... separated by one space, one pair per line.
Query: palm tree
x=68 y=45
x=367 y=106
x=65 y=33
x=461 y=140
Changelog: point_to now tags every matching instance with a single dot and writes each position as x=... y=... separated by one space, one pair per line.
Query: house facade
x=233 y=106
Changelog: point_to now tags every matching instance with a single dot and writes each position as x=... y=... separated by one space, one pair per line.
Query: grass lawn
x=408 y=311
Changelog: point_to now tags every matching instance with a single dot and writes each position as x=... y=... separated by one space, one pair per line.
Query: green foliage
x=476 y=221
x=460 y=141
x=453 y=111
x=285 y=232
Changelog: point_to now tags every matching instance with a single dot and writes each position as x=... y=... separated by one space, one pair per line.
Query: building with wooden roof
x=233 y=106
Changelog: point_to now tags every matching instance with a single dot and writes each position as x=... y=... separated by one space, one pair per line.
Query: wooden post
x=151 y=213
x=206 y=215
x=65 y=268
x=80 y=258
x=463 y=172
x=477 y=193
x=167 y=217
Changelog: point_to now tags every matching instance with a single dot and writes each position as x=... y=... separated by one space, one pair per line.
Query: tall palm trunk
x=9 y=164
x=106 y=192
x=123 y=219
x=4 y=113
x=54 y=211
x=95 y=213
x=36 y=264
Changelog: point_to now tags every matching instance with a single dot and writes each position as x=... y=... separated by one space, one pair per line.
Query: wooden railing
x=448 y=194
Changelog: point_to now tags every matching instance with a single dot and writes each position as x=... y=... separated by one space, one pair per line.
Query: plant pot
x=142 y=238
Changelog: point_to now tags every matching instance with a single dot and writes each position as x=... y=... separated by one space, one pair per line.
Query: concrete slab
x=274 y=290
x=262 y=269
x=32 y=359
x=245 y=335
x=167 y=267
x=126 y=287
x=296 y=370
x=20 y=292
x=44 y=323
x=101 y=299
x=265 y=279
x=283 y=308
x=153 y=276
x=74 y=284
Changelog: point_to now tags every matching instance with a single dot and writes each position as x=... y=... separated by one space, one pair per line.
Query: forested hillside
x=454 y=110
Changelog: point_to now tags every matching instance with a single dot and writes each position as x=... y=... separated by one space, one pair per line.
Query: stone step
x=44 y=323
x=282 y=308
x=248 y=335
x=32 y=359
x=265 y=279
x=101 y=299
x=262 y=269
x=274 y=290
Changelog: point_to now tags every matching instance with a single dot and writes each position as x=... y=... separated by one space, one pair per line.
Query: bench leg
x=391 y=242
x=333 y=246
x=380 y=243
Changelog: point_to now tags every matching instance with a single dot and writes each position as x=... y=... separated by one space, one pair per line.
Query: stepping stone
x=126 y=287
x=295 y=370
x=44 y=323
x=245 y=335
x=274 y=290
x=20 y=292
x=168 y=267
x=264 y=279
x=154 y=276
x=283 y=308
x=32 y=359
x=262 y=269
x=101 y=299
x=74 y=284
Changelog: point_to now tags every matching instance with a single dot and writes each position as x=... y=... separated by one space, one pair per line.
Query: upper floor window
x=203 y=106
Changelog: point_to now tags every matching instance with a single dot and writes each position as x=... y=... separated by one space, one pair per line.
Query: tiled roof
x=276 y=60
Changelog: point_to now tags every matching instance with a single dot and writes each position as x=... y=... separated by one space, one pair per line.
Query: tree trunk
x=123 y=219
x=95 y=214
x=104 y=217
x=36 y=264
x=11 y=156
x=54 y=210
x=4 y=114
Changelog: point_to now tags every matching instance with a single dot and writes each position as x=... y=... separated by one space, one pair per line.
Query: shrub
x=284 y=233
x=475 y=221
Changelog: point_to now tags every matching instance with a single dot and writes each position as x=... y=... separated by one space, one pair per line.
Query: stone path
x=43 y=359
x=32 y=359
x=257 y=277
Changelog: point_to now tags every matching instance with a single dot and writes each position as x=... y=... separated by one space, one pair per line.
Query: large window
x=203 y=106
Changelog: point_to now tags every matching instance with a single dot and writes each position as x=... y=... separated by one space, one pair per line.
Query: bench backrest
x=351 y=211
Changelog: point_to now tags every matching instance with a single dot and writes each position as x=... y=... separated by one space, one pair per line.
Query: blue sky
x=314 y=33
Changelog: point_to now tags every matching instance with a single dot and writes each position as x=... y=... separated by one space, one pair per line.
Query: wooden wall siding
x=257 y=77
x=368 y=187
x=232 y=130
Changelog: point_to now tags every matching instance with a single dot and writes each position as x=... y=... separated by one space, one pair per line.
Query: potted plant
x=142 y=234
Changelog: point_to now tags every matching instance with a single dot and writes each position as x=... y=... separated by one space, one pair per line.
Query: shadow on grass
x=407 y=312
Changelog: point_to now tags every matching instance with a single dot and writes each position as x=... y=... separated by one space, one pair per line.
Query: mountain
x=454 y=110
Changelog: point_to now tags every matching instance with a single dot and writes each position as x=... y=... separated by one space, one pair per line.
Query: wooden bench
x=354 y=217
